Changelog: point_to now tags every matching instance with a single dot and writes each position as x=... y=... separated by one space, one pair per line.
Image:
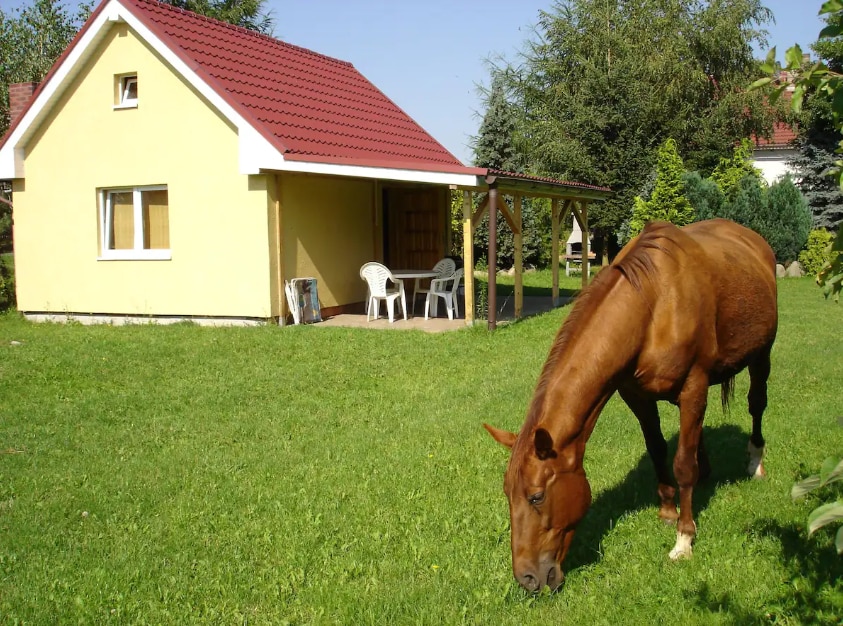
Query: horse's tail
x=727 y=393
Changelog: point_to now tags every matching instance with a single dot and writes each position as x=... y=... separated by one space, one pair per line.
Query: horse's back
x=712 y=296
x=741 y=268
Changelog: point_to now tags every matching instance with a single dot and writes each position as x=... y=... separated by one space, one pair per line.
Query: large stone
x=780 y=271
x=794 y=270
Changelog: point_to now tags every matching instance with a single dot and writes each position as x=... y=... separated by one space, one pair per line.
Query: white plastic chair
x=376 y=277
x=444 y=267
x=440 y=288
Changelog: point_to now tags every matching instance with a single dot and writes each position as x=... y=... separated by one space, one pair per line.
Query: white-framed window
x=134 y=223
x=126 y=91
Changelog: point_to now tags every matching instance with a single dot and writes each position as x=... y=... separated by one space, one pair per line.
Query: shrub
x=704 y=195
x=748 y=205
x=815 y=255
x=787 y=221
x=7 y=286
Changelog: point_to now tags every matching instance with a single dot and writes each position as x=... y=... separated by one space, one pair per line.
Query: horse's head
x=548 y=496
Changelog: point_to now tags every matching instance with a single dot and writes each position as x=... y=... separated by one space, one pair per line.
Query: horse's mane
x=637 y=266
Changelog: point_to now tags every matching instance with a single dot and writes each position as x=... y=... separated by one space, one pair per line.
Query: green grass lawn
x=180 y=475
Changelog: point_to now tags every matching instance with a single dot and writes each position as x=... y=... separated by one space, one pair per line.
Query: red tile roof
x=782 y=137
x=544 y=179
x=309 y=106
x=312 y=107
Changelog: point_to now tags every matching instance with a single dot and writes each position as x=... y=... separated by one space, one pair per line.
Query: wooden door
x=415 y=227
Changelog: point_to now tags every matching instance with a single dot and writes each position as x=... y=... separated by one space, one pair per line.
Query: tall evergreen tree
x=496 y=147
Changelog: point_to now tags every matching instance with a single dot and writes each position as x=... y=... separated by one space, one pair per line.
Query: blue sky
x=430 y=56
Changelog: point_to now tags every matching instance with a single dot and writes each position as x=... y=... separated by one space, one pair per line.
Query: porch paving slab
x=506 y=313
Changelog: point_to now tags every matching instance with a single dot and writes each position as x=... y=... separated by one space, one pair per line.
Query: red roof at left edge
x=311 y=107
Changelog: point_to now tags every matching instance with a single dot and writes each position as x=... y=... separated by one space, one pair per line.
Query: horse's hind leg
x=647 y=412
x=759 y=372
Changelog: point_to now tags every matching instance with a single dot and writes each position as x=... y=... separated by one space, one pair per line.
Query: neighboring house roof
x=781 y=139
x=294 y=109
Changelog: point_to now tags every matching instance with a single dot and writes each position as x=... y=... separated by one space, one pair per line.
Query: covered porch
x=567 y=198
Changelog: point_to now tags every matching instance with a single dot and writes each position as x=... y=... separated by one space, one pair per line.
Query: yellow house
x=173 y=166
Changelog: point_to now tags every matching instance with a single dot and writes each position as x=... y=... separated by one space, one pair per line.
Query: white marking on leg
x=755 y=467
x=682 y=549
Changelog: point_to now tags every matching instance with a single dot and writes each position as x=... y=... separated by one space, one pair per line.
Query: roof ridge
x=240 y=29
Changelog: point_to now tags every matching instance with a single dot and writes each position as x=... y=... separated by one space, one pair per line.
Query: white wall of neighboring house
x=773 y=163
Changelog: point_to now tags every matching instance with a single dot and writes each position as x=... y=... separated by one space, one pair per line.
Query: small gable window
x=134 y=223
x=127 y=91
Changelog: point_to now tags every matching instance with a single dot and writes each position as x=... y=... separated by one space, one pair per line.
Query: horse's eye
x=536 y=499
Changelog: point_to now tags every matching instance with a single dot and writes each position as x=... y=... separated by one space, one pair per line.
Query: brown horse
x=677 y=311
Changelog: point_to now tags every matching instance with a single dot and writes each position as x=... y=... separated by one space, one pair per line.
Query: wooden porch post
x=586 y=268
x=554 y=249
x=518 y=241
x=468 y=257
x=493 y=258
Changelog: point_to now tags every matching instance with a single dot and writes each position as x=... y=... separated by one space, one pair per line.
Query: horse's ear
x=501 y=436
x=544 y=445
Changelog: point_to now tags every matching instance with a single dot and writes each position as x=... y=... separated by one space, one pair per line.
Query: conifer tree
x=730 y=171
x=496 y=147
x=668 y=201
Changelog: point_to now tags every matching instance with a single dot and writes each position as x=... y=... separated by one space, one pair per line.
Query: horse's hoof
x=669 y=519
x=756 y=471
x=756 y=467
x=682 y=549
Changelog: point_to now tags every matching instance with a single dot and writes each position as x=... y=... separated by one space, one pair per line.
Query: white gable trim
x=254 y=148
x=256 y=152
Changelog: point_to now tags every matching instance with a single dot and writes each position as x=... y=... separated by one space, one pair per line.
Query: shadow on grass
x=812 y=592
x=726 y=446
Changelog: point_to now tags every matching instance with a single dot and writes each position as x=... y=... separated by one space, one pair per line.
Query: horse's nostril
x=554 y=577
x=529 y=582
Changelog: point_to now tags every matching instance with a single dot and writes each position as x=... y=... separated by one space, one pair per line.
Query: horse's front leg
x=647 y=411
x=686 y=469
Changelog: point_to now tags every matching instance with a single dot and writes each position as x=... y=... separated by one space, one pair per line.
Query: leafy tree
x=824 y=81
x=828 y=81
x=816 y=144
x=31 y=38
x=668 y=201
x=605 y=82
x=246 y=13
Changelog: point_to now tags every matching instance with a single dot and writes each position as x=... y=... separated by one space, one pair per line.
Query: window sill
x=136 y=255
x=126 y=105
